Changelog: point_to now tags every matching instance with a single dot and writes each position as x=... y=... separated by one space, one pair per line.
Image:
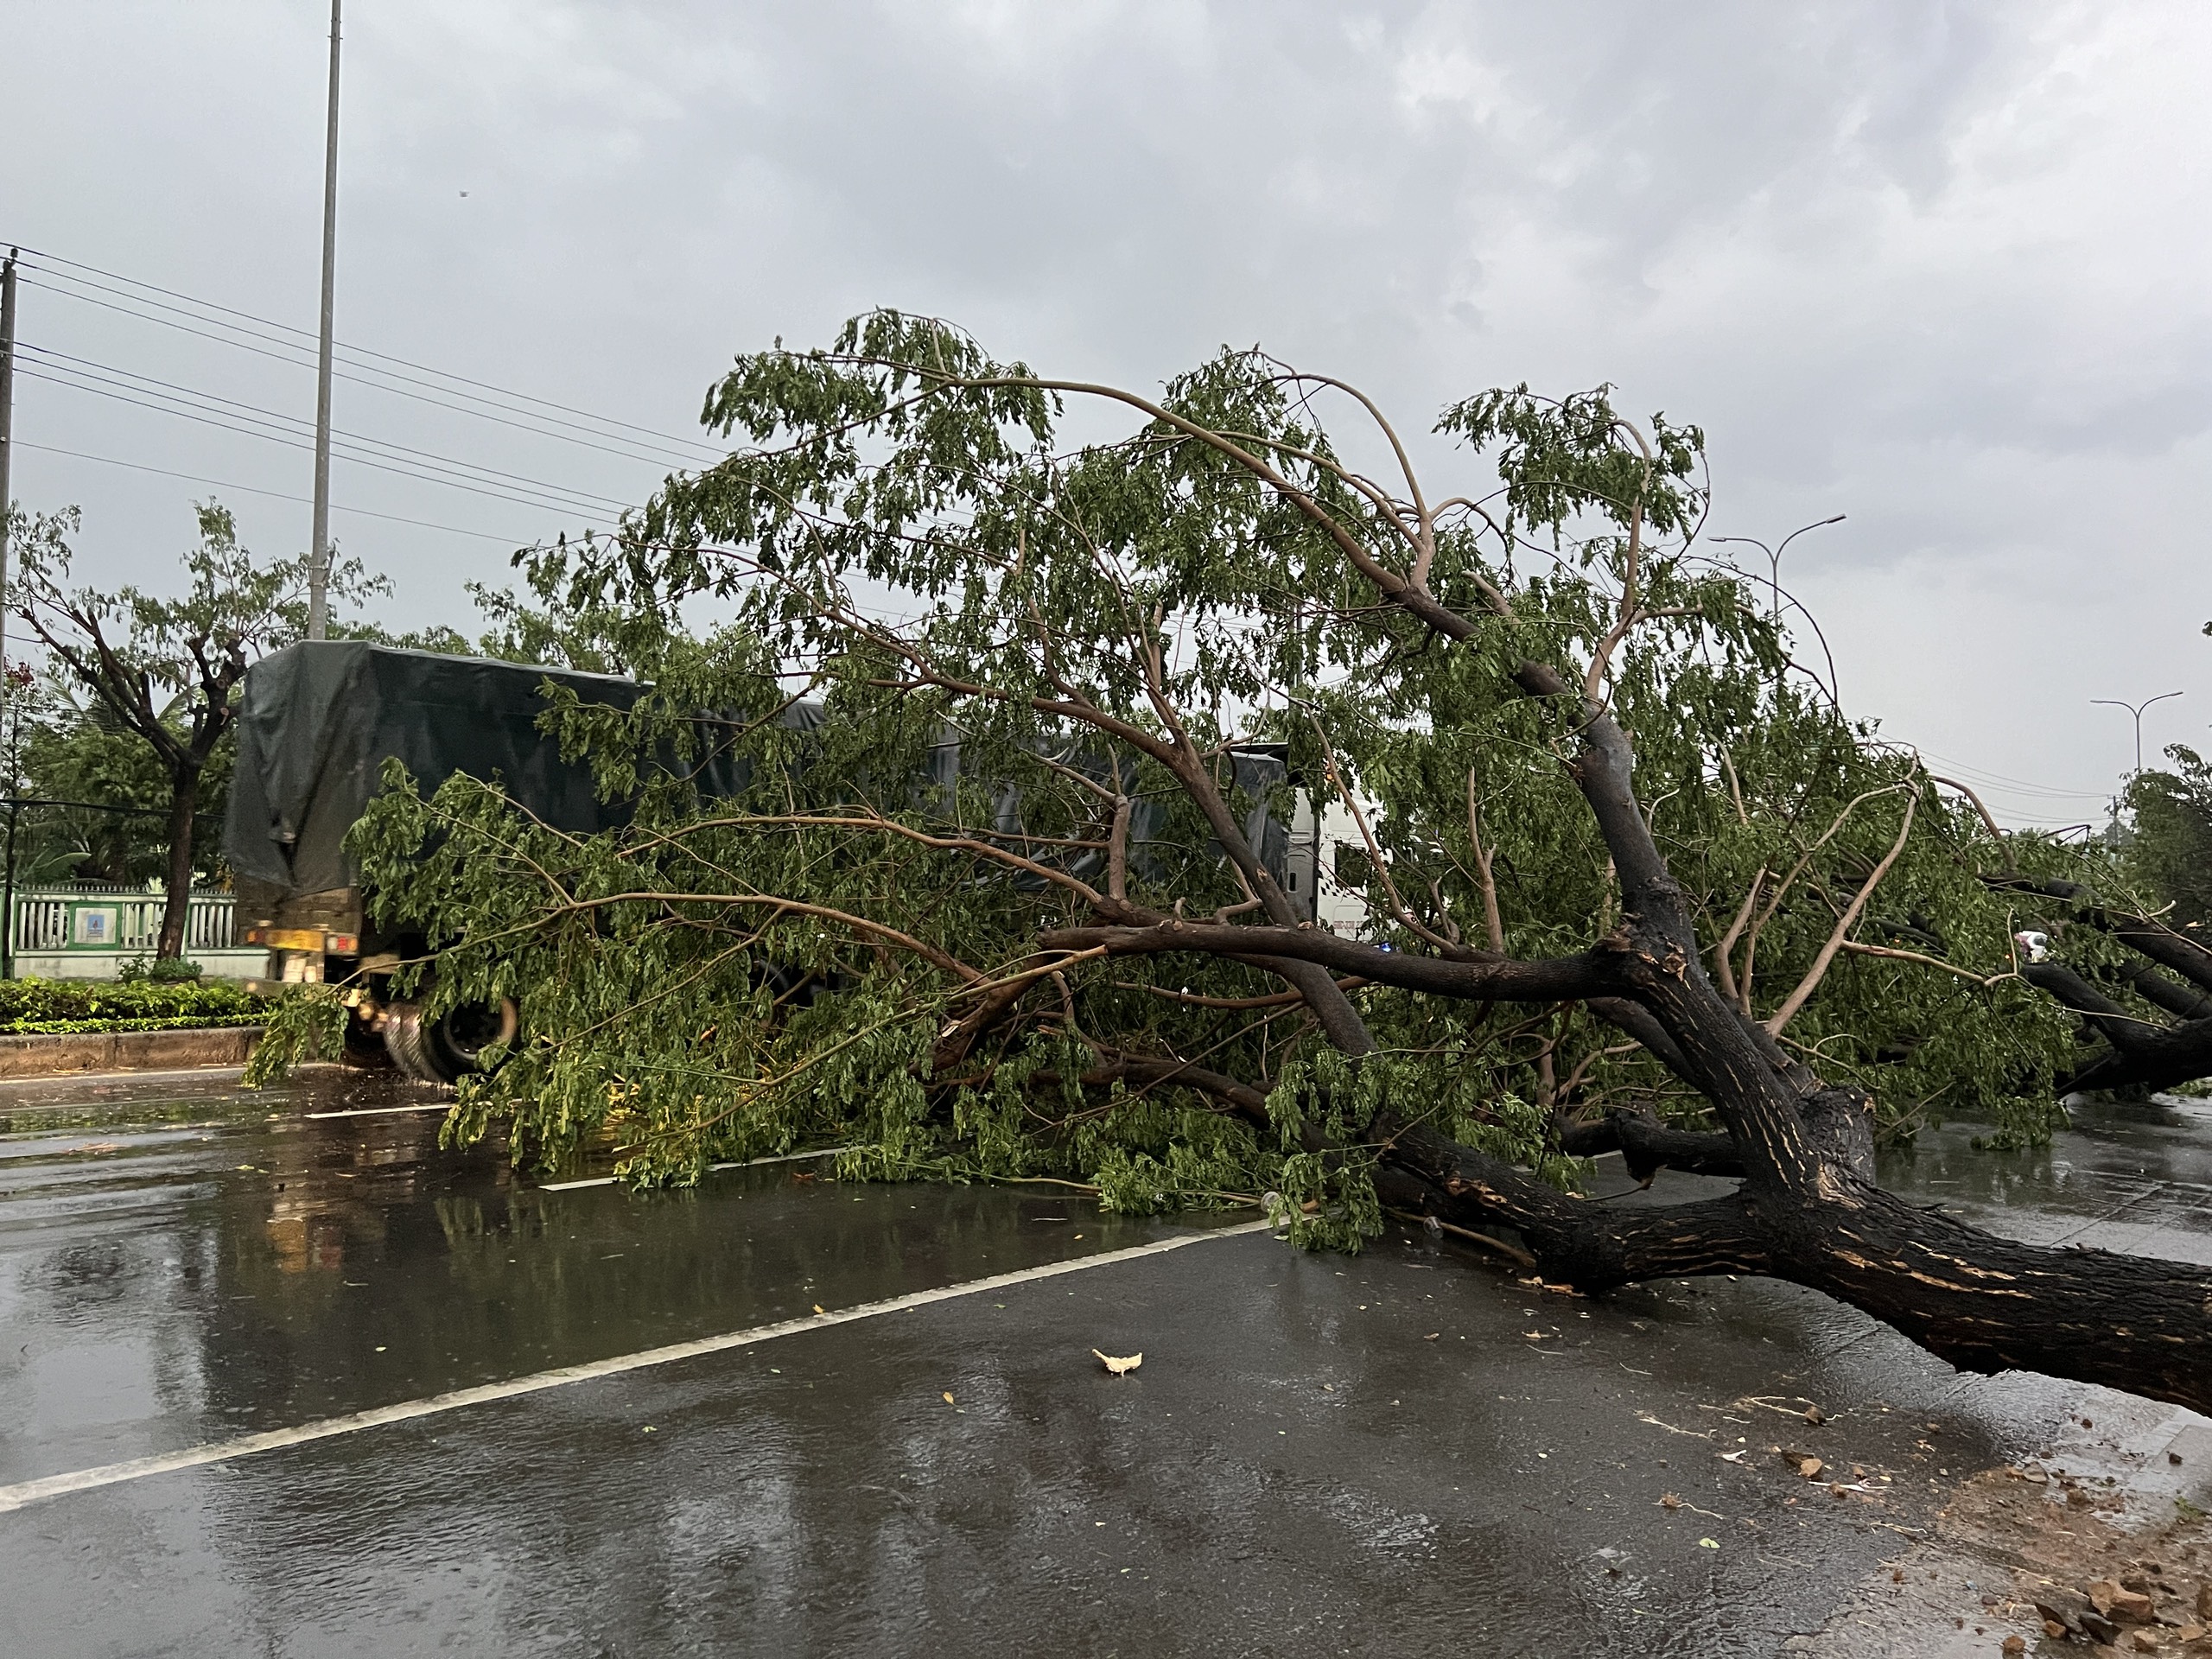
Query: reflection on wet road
x=2135 y=1178
x=180 y=1269
x=1401 y=1451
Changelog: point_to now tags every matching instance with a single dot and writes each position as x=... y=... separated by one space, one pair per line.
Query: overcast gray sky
x=1940 y=267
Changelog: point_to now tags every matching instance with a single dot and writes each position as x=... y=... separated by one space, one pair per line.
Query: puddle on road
x=245 y=1266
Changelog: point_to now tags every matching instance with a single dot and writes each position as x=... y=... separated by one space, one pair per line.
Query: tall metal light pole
x=319 y=554
x=7 y=445
x=2136 y=709
x=7 y=454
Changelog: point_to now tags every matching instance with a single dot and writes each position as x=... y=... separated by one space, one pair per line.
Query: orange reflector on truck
x=286 y=939
x=304 y=938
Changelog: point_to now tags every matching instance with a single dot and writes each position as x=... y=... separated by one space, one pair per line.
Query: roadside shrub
x=170 y=969
x=149 y=1004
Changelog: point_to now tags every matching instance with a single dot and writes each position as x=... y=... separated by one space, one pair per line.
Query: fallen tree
x=2144 y=998
x=1630 y=879
x=2130 y=945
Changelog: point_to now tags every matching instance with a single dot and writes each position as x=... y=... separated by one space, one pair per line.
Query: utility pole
x=319 y=554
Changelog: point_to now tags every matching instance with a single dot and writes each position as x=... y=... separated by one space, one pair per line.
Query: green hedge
x=182 y=1022
x=52 y=1005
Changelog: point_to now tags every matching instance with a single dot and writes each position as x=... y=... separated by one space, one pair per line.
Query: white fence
x=88 y=932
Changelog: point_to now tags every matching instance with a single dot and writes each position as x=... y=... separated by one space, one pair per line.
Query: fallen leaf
x=1706 y=1543
x=1119 y=1367
x=1668 y=1500
x=817 y=1308
x=948 y=1397
x=1810 y=1466
x=1432 y=1335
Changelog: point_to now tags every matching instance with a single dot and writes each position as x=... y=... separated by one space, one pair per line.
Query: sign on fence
x=89 y=932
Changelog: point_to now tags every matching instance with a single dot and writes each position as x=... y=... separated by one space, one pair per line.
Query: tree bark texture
x=2174 y=976
x=176 y=881
x=1806 y=1207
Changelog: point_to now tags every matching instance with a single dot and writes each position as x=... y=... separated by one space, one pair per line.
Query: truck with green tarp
x=319 y=720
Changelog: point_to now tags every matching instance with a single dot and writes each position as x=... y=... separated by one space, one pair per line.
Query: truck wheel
x=456 y=1039
x=446 y=1049
x=404 y=1041
x=449 y=1047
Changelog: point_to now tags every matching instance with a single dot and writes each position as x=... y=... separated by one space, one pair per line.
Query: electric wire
x=444 y=374
x=594 y=517
x=278 y=495
x=667 y=457
x=47 y=264
x=88 y=369
x=2014 y=786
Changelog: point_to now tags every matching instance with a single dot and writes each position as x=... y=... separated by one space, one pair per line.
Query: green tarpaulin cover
x=319 y=720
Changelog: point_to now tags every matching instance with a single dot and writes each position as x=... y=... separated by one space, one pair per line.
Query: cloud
x=1938 y=267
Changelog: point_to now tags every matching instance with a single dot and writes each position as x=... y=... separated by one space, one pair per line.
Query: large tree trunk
x=1807 y=1208
x=1979 y=1301
x=184 y=791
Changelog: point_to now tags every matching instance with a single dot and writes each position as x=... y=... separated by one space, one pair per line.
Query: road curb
x=70 y=1053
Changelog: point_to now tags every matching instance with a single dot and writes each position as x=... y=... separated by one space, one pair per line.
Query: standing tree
x=2171 y=853
x=166 y=670
x=1012 y=907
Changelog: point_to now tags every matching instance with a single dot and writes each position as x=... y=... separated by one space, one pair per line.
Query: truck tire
x=403 y=1040
x=457 y=1038
x=446 y=1049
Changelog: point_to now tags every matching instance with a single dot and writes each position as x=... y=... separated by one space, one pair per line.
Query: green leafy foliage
x=2169 y=857
x=46 y=1005
x=300 y=1023
x=141 y=688
x=161 y=967
x=801 y=956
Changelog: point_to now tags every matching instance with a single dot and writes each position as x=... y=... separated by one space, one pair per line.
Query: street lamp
x=1774 y=555
x=2136 y=709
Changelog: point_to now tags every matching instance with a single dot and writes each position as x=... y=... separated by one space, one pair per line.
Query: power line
x=279 y=495
x=2015 y=786
x=362 y=351
x=211 y=420
x=132 y=381
x=666 y=457
x=354 y=460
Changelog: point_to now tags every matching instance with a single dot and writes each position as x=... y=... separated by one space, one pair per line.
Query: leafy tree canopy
x=2170 y=856
x=857 y=945
x=143 y=686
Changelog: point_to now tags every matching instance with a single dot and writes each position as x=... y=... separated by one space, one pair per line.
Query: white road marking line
x=743 y=1163
x=384 y=1111
x=28 y=1493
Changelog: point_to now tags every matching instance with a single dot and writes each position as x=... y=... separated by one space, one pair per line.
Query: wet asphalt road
x=1403 y=1453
